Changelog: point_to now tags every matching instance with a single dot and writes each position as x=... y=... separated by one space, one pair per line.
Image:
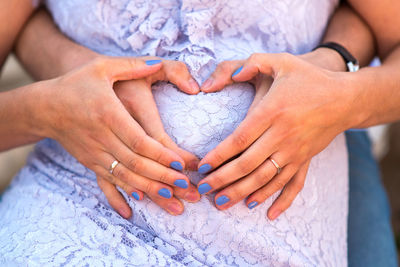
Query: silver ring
x=276 y=165
x=113 y=165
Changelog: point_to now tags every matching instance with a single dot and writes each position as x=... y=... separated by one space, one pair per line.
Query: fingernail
x=164 y=192
x=204 y=168
x=275 y=214
x=153 y=62
x=204 y=188
x=192 y=196
x=252 y=204
x=176 y=165
x=237 y=71
x=181 y=183
x=194 y=85
x=207 y=84
x=174 y=208
x=222 y=200
x=135 y=195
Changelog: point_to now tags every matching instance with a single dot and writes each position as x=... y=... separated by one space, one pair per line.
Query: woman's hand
x=304 y=109
x=138 y=99
x=83 y=113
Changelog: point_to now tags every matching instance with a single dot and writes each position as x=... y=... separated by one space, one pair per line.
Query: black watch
x=351 y=62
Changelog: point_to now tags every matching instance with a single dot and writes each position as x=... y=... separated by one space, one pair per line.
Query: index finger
x=249 y=130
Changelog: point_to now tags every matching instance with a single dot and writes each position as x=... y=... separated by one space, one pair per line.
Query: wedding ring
x=113 y=165
x=276 y=165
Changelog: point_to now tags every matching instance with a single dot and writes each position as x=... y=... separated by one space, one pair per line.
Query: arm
x=39 y=49
x=305 y=112
x=12 y=23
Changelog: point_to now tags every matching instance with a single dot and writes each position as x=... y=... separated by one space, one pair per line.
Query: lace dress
x=55 y=214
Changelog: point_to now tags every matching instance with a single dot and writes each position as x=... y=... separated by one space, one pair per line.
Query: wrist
x=325 y=58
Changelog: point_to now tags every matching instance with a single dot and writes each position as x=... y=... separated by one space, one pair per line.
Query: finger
x=222 y=76
x=241 y=189
x=126 y=68
x=146 y=167
x=173 y=206
x=191 y=195
x=114 y=198
x=135 y=138
x=140 y=103
x=265 y=63
x=124 y=175
x=289 y=193
x=277 y=183
x=177 y=73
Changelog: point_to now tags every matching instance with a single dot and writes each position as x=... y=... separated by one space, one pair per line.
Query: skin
x=321 y=58
x=97 y=128
x=300 y=126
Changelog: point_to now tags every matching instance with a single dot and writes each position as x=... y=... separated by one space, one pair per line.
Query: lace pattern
x=55 y=214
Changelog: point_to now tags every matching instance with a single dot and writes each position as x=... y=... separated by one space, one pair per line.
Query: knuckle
x=164 y=178
x=136 y=143
x=245 y=165
x=279 y=184
x=148 y=187
x=135 y=164
x=218 y=181
x=240 y=140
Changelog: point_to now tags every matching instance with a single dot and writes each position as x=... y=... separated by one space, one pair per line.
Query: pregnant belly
x=199 y=122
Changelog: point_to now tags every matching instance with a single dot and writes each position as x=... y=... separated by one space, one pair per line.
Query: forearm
x=13 y=15
x=16 y=113
x=349 y=30
x=46 y=52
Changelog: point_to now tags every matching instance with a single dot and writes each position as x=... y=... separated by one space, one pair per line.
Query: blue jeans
x=370 y=236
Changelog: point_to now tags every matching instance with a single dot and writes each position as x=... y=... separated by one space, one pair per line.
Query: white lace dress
x=54 y=213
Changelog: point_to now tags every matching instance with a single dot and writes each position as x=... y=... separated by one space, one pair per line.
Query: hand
x=83 y=113
x=138 y=99
x=291 y=122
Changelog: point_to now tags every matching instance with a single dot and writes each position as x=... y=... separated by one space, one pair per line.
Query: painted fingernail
x=204 y=188
x=181 y=183
x=275 y=214
x=252 y=204
x=207 y=84
x=204 y=168
x=192 y=196
x=176 y=165
x=164 y=192
x=153 y=62
x=193 y=85
x=222 y=200
x=174 y=208
x=135 y=195
x=237 y=71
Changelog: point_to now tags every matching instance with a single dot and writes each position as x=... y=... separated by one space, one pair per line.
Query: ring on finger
x=113 y=165
x=278 y=168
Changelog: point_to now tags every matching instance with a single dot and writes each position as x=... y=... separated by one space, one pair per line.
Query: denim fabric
x=370 y=236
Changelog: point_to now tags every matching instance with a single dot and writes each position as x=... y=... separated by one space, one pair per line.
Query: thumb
x=128 y=68
x=265 y=63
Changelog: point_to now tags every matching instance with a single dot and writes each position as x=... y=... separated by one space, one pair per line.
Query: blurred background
x=386 y=141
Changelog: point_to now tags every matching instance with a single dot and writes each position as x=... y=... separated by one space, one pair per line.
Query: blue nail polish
x=164 y=192
x=237 y=71
x=222 y=200
x=135 y=195
x=204 y=168
x=181 y=183
x=252 y=204
x=176 y=165
x=153 y=62
x=204 y=188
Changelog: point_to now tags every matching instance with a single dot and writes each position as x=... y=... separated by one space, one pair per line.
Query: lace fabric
x=54 y=213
